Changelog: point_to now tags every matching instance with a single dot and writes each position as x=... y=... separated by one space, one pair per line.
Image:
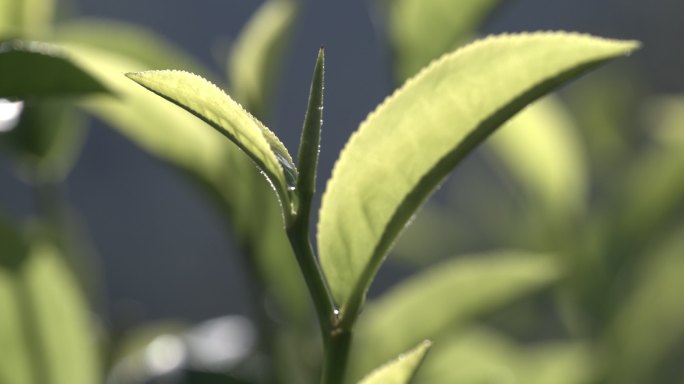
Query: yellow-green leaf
x=257 y=54
x=422 y=30
x=400 y=370
x=45 y=329
x=209 y=103
x=25 y=18
x=406 y=147
x=443 y=298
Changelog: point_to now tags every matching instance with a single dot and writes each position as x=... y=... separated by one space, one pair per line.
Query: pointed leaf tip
x=309 y=145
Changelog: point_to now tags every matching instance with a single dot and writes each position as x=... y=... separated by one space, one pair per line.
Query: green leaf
x=309 y=144
x=25 y=18
x=209 y=103
x=418 y=135
x=549 y=163
x=214 y=164
x=400 y=370
x=650 y=325
x=45 y=329
x=480 y=355
x=446 y=296
x=30 y=69
x=257 y=54
x=422 y=30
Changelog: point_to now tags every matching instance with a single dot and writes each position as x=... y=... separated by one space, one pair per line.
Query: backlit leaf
x=445 y=297
x=400 y=370
x=209 y=103
x=406 y=147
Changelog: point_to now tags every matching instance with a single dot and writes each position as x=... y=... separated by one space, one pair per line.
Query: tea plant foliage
x=409 y=143
x=449 y=108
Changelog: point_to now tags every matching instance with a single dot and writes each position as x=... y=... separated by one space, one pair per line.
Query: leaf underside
x=409 y=144
x=209 y=103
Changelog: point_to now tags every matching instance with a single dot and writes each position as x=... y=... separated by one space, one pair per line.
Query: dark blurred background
x=163 y=252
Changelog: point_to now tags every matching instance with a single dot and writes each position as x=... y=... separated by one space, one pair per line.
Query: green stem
x=336 y=341
x=313 y=276
x=336 y=355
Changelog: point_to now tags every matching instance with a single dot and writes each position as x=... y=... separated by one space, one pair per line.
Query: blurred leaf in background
x=44 y=320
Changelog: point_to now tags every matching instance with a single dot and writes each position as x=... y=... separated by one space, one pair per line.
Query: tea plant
x=399 y=155
x=457 y=101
